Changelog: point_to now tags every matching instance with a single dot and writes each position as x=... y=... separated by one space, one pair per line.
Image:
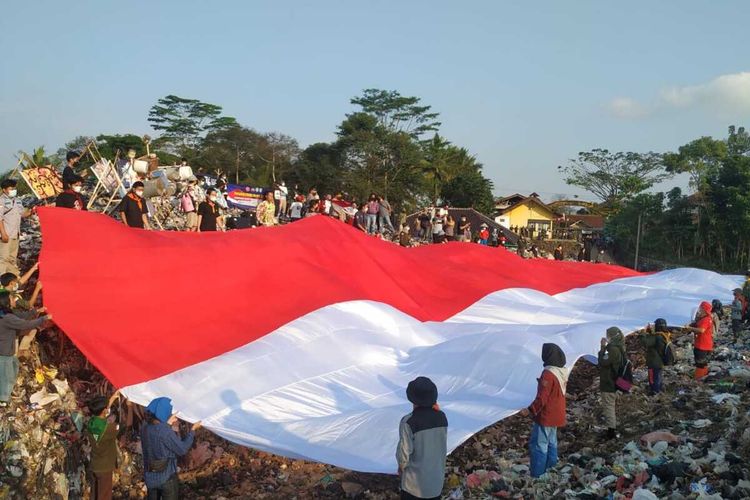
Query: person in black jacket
x=71 y=197
x=423 y=443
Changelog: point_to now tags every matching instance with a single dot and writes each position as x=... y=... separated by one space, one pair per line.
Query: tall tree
x=183 y=122
x=397 y=113
x=470 y=190
x=614 y=177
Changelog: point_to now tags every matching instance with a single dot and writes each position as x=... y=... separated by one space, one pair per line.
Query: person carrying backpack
x=655 y=340
x=611 y=359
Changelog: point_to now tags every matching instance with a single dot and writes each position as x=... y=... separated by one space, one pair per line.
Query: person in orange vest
x=704 y=339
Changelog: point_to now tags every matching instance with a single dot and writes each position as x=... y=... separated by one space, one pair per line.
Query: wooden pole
x=637 y=242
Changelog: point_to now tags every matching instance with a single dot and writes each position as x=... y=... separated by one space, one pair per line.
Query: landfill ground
x=692 y=441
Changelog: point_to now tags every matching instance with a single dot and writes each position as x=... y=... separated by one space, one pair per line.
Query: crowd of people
x=422 y=445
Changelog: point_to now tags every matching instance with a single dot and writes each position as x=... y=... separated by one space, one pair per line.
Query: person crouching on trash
x=655 y=341
x=611 y=359
x=423 y=443
x=161 y=448
x=704 y=339
x=547 y=410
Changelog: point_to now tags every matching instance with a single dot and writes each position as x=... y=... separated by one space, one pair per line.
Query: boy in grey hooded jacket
x=423 y=443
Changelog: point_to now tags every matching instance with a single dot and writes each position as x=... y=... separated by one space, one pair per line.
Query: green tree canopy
x=614 y=177
x=183 y=122
x=470 y=190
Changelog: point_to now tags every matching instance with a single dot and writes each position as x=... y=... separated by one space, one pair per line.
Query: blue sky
x=523 y=85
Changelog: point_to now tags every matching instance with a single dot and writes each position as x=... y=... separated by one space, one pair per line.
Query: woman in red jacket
x=704 y=339
x=547 y=410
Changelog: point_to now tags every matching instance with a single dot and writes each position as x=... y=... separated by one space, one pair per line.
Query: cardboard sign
x=106 y=174
x=44 y=182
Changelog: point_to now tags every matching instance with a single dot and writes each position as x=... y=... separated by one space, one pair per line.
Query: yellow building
x=517 y=211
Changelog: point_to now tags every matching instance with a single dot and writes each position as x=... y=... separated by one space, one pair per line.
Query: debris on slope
x=692 y=441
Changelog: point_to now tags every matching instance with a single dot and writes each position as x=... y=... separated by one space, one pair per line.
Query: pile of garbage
x=691 y=441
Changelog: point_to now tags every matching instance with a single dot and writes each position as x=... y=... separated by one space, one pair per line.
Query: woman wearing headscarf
x=161 y=447
x=611 y=358
x=547 y=410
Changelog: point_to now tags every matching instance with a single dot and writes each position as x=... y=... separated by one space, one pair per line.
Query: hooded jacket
x=655 y=344
x=548 y=409
x=423 y=442
x=611 y=358
x=705 y=339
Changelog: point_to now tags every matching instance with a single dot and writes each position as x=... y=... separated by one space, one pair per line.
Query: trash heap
x=692 y=441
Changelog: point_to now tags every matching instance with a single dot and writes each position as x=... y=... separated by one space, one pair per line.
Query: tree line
x=708 y=227
x=389 y=144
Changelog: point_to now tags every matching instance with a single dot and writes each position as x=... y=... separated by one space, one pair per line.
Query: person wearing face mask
x=133 y=211
x=208 y=212
x=69 y=173
x=101 y=432
x=12 y=284
x=11 y=213
x=71 y=197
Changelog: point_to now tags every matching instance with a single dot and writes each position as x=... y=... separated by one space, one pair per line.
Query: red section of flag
x=142 y=304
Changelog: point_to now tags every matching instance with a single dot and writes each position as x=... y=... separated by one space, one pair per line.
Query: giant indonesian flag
x=300 y=339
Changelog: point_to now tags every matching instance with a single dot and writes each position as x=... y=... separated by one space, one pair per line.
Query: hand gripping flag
x=300 y=339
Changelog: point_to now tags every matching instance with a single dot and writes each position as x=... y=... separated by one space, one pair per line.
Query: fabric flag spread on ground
x=300 y=339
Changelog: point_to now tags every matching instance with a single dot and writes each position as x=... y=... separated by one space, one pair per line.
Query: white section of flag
x=330 y=386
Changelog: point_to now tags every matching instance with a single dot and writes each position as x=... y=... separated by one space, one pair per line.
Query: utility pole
x=637 y=242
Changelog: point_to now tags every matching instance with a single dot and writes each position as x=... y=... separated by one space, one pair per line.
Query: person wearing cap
x=423 y=443
x=296 y=208
x=133 y=211
x=738 y=312
x=101 y=432
x=71 y=196
x=703 y=328
x=484 y=234
x=547 y=410
x=611 y=359
x=655 y=341
x=161 y=447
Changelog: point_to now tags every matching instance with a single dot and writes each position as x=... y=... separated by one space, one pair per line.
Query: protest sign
x=105 y=172
x=44 y=182
x=245 y=197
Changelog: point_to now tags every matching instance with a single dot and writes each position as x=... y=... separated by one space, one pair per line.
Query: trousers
x=542 y=449
x=170 y=490
x=609 y=402
x=654 y=380
x=9 y=257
